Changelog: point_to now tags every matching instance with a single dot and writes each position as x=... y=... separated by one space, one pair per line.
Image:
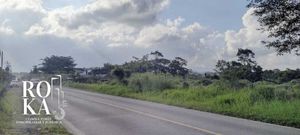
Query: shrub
x=230 y=85
x=227 y=101
x=149 y=82
x=220 y=85
x=206 y=82
x=262 y=93
x=239 y=84
x=296 y=90
x=185 y=85
x=266 y=83
x=286 y=91
x=283 y=94
x=124 y=82
x=119 y=73
x=295 y=81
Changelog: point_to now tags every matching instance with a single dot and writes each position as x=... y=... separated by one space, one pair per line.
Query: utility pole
x=1 y=57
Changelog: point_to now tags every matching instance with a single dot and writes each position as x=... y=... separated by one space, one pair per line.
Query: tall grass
x=151 y=82
x=7 y=106
x=118 y=90
x=261 y=101
x=11 y=111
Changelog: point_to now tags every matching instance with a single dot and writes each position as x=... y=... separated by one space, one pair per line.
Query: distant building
x=81 y=71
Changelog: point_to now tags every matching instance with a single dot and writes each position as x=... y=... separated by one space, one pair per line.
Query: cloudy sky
x=100 y=31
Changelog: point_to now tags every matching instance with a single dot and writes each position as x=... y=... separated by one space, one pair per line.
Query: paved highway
x=90 y=113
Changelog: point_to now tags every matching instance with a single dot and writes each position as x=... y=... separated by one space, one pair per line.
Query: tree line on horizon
x=244 y=68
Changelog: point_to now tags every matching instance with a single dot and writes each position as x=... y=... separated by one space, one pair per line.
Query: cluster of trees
x=55 y=64
x=155 y=62
x=277 y=76
x=246 y=68
x=106 y=69
x=281 y=20
x=152 y=62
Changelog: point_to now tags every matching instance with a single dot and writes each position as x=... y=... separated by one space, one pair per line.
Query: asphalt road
x=98 y=114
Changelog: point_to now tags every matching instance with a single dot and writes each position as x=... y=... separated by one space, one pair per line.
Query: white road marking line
x=156 y=117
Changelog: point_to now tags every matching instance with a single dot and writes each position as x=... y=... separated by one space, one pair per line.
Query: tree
x=8 y=67
x=159 y=64
x=177 y=66
x=119 y=73
x=163 y=65
x=35 y=70
x=4 y=75
x=277 y=76
x=57 y=64
x=244 y=68
x=249 y=69
x=229 y=70
x=281 y=19
x=156 y=65
x=107 y=68
x=157 y=54
x=245 y=56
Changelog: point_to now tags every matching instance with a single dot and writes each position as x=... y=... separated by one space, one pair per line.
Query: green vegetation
x=55 y=64
x=240 y=87
x=10 y=112
x=263 y=101
x=280 y=18
x=5 y=113
x=147 y=81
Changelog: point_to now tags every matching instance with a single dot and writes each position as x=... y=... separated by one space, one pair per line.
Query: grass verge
x=237 y=103
x=11 y=110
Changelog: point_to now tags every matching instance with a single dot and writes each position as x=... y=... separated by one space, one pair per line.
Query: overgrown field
x=11 y=110
x=263 y=101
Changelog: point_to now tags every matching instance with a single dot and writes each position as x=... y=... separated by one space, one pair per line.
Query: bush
x=295 y=81
x=119 y=73
x=268 y=93
x=296 y=90
x=220 y=85
x=262 y=93
x=286 y=91
x=266 y=83
x=242 y=84
x=283 y=95
x=185 y=85
x=206 y=82
x=226 y=101
x=150 y=82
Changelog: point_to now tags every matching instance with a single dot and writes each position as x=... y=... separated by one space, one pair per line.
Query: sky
x=95 y=32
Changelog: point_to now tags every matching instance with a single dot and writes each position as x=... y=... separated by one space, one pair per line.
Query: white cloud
x=4 y=29
x=34 y=5
x=21 y=14
x=122 y=15
x=201 y=46
x=250 y=37
x=115 y=30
